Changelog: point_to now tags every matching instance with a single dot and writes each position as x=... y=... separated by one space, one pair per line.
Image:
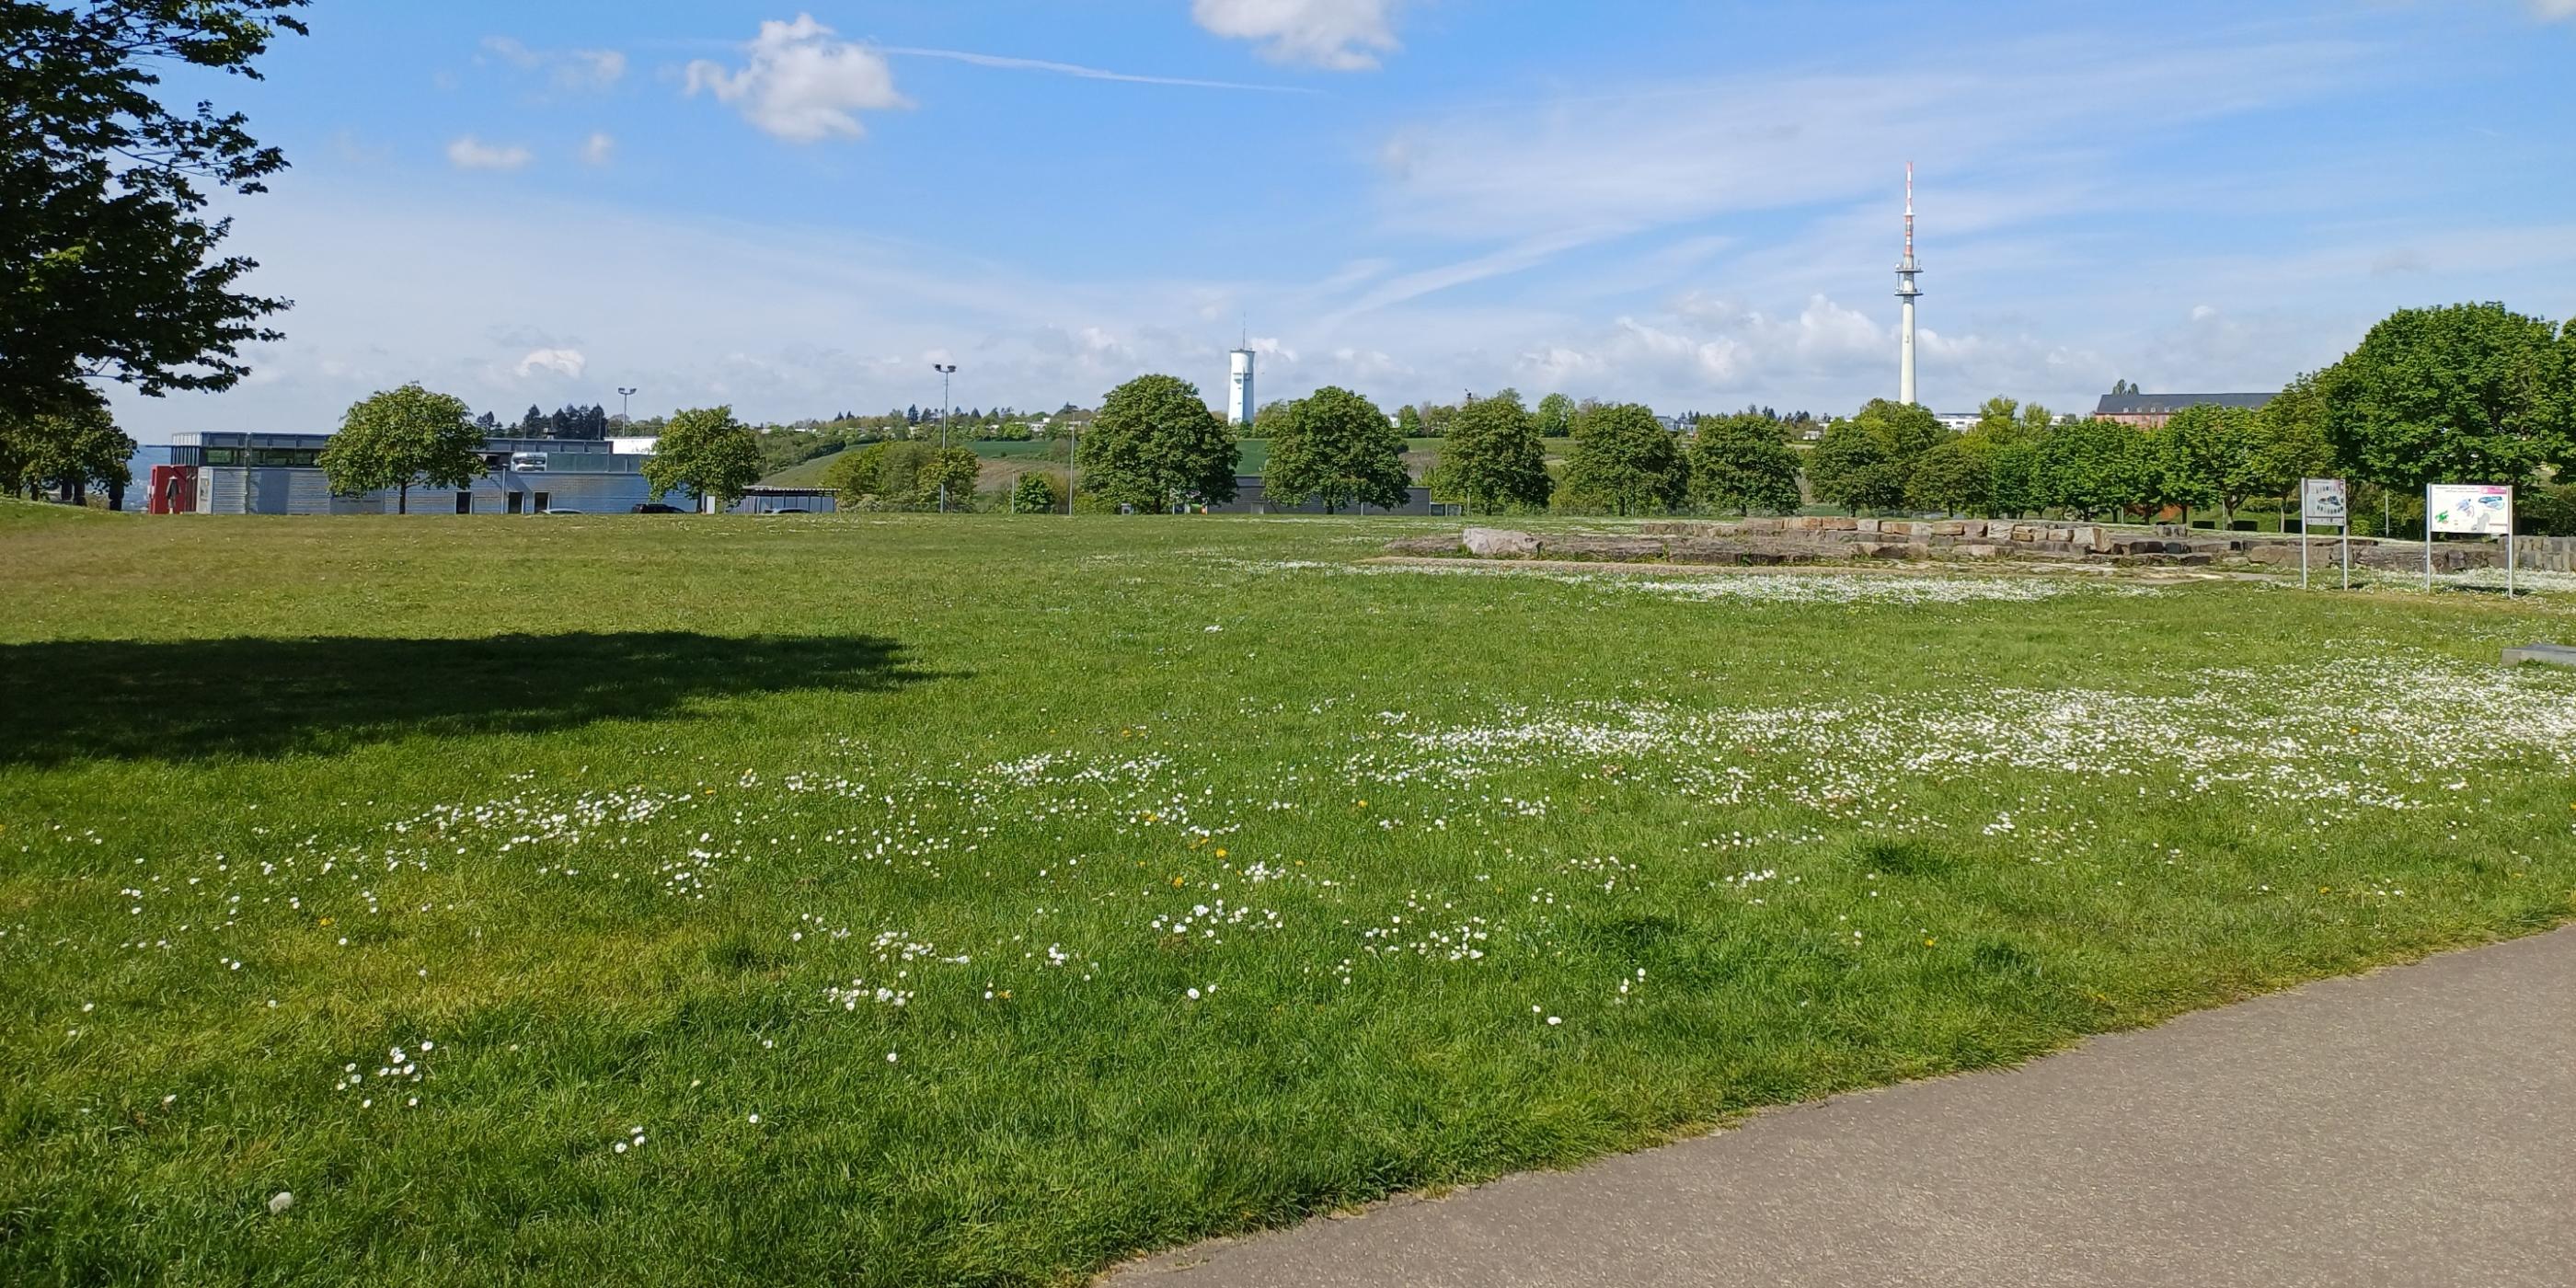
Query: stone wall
x=1837 y=539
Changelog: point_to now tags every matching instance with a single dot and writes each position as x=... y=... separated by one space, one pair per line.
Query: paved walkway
x=2412 y=1127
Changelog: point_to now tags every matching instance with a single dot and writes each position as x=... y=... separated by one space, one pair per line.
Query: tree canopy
x=1336 y=447
x=706 y=451
x=1625 y=461
x=70 y=451
x=2466 y=393
x=1155 y=444
x=107 y=270
x=1740 y=463
x=1493 y=459
x=400 y=437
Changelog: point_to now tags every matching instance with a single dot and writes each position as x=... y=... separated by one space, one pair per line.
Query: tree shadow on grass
x=197 y=699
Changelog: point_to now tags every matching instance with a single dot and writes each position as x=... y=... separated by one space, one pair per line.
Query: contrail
x=1086 y=73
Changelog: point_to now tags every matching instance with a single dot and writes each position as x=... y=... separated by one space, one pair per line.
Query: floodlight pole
x=625 y=412
x=945 y=370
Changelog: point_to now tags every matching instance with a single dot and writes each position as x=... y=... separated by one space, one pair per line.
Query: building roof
x=2168 y=404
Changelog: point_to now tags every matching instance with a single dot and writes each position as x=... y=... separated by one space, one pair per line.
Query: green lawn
x=982 y=900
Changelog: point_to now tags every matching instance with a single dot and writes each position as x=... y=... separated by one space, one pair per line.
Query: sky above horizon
x=798 y=210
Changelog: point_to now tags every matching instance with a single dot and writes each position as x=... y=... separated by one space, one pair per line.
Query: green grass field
x=983 y=900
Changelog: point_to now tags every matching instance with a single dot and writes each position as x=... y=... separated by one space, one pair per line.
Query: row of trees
x=411 y=436
x=66 y=453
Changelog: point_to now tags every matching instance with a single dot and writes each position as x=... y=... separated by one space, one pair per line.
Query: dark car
x=656 y=507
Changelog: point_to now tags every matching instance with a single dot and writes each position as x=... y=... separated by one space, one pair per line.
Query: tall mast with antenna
x=1907 y=292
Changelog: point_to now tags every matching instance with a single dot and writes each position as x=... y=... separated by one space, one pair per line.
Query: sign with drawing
x=2469 y=509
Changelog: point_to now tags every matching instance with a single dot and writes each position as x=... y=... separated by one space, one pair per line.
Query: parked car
x=787 y=511
x=557 y=509
x=656 y=507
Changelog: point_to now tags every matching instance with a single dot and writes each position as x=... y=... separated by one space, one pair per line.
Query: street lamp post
x=945 y=370
x=624 y=411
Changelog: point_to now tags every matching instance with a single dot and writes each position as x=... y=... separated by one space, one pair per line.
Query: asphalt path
x=2415 y=1126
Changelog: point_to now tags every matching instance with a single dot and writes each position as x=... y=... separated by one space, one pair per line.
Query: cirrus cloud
x=470 y=153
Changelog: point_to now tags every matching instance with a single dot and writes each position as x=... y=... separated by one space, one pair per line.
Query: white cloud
x=567 y=363
x=1341 y=35
x=598 y=149
x=802 y=83
x=577 y=69
x=591 y=69
x=2553 y=10
x=470 y=153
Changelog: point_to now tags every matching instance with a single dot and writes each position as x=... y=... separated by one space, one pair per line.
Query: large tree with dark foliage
x=1336 y=447
x=1155 y=445
x=108 y=271
x=2469 y=393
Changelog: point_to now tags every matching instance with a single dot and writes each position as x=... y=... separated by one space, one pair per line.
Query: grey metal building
x=234 y=473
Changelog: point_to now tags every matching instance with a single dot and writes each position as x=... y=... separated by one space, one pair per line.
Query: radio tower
x=1907 y=292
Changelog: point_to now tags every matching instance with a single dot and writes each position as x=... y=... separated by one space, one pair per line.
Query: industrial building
x=2151 y=411
x=241 y=473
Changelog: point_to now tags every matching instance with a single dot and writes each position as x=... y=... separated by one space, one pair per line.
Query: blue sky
x=798 y=209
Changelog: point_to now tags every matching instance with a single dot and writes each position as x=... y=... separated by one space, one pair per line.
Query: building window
x=465 y=503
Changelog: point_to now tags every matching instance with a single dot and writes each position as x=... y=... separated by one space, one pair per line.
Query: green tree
x=400 y=437
x=1034 y=494
x=1555 y=416
x=1267 y=421
x=109 y=270
x=1408 y=421
x=2012 y=488
x=1740 y=463
x=707 y=451
x=857 y=475
x=2216 y=457
x=1852 y=467
x=1953 y=477
x=1626 y=462
x=1155 y=444
x=947 y=476
x=1492 y=459
x=2466 y=393
x=1338 y=448
x=2093 y=468
x=2290 y=440
x=69 y=452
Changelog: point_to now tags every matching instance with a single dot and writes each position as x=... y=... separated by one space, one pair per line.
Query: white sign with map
x=2474 y=509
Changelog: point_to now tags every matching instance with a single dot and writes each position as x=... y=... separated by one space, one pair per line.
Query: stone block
x=1499 y=543
x=1603 y=548
x=2024 y=532
x=1441 y=545
x=1703 y=550
x=1950 y=528
x=2546 y=654
x=1866 y=525
x=1978 y=551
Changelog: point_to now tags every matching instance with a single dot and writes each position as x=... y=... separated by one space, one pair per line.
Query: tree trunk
x=402 y=498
